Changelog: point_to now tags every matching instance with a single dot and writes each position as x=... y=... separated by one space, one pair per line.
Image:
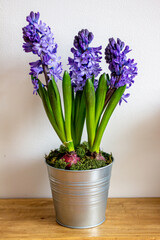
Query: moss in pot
x=81 y=159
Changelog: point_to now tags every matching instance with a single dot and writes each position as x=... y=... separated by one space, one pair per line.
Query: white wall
x=133 y=135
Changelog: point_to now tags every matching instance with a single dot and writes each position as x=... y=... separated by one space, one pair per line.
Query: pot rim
x=90 y=170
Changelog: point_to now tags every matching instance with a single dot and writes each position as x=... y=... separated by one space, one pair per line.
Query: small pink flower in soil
x=71 y=159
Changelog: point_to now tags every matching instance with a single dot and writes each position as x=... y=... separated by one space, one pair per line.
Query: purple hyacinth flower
x=123 y=98
x=83 y=39
x=85 y=61
x=39 y=40
x=123 y=70
x=56 y=71
x=36 y=68
x=35 y=84
x=33 y=18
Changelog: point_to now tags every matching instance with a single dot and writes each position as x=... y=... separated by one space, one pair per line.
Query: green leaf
x=77 y=106
x=56 y=106
x=80 y=120
x=67 y=98
x=73 y=117
x=90 y=111
x=46 y=103
x=100 y=97
x=106 y=116
x=93 y=78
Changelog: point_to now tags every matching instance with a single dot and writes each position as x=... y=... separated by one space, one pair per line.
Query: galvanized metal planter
x=80 y=197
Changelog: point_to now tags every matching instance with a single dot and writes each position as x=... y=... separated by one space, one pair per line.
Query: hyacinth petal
x=27 y=47
x=123 y=98
x=90 y=37
x=33 y=17
x=35 y=84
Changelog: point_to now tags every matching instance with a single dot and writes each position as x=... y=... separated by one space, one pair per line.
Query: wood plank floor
x=126 y=219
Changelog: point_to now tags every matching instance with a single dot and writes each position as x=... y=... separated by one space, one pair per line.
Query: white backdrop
x=133 y=134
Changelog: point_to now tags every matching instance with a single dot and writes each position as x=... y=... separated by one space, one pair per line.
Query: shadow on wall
x=137 y=172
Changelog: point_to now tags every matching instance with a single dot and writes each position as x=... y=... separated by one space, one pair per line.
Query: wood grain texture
x=126 y=219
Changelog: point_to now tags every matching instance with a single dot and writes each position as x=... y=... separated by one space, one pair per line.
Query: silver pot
x=80 y=197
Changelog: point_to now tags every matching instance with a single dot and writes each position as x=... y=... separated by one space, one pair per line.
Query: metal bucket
x=80 y=197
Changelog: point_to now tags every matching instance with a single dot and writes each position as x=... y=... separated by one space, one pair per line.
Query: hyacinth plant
x=85 y=94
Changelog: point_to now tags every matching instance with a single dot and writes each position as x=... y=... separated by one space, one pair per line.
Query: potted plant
x=79 y=172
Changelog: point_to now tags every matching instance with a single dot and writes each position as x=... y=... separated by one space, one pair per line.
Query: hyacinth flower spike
x=39 y=40
x=123 y=71
x=83 y=65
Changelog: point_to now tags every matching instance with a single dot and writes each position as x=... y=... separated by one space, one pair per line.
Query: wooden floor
x=127 y=219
